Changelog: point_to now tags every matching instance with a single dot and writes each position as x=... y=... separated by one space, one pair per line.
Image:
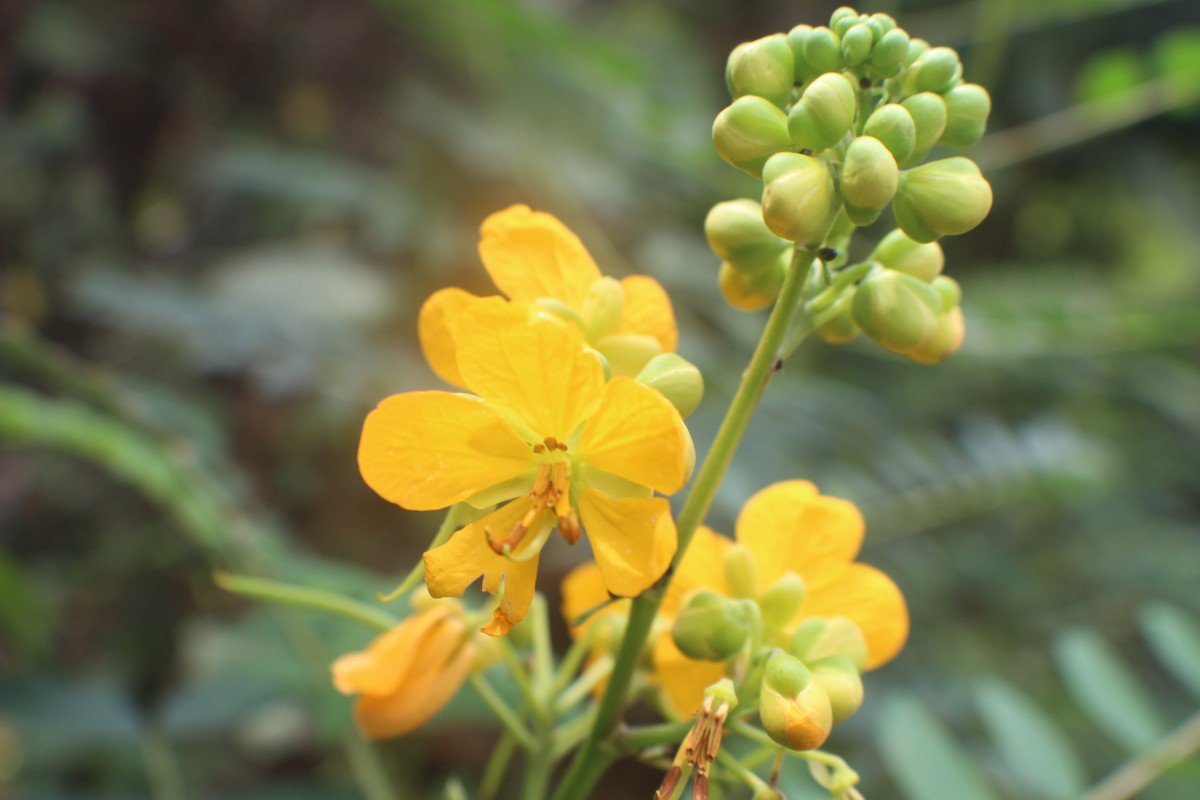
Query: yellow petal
x=682 y=679
x=702 y=567
x=384 y=664
x=434 y=325
x=530 y=254
x=647 y=311
x=872 y=601
x=638 y=435
x=790 y=527
x=455 y=565
x=536 y=368
x=633 y=539
x=427 y=450
x=582 y=590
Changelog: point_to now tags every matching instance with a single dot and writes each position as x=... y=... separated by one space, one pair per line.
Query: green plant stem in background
x=589 y=762
x=1135 y=775
x=417 y=574
x=306 y=597
x=503 y=712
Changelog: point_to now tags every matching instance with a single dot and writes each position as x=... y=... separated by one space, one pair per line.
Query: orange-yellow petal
x=790 y=527
x=455 y=565
x=383 y=666
x=537 y=368
x=648 y=311
x=872 y=601
x=633 y=539
x=683 y=680
x=702 y=567
x=582 y=590
x=435 y=328
x=530 y=254
x=638 y=435
x=429 y=450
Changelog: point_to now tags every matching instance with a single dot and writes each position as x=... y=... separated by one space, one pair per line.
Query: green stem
x=643 y=736
x=817 y=756
x=1139 y=773
x=577 y=691
x=497 y=764
x=745 y=775
x=417 y=573
x=306 y=597
x=162 y=767
x=543 y=655
x=521 y=677
x=587 y=765
x=506 y=715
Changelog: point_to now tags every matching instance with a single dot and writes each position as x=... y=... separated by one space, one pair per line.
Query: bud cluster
x=837 y=121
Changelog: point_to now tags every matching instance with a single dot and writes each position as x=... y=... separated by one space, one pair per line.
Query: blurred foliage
x=217 y=221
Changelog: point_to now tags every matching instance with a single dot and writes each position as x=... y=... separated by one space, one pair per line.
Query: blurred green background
x=217 y=221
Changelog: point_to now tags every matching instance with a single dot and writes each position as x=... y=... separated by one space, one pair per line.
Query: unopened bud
x=967 y=109
x=945 y=342
x=602 y=306
x=782 y=601
x=824 y=113
x=736 y=232
x=896 y=310
x=857 y=42
x=557 y=308
x=894 y=126
x=869 y=179
x=837 y=325
x=794 y=709
x=886 y=22
x=741 y=572
x=843 y=17
x=887 y=57
x=922 y=261
x=627 y=353
x=796 y=37
x=942 y=198
x=820 y=637
x=722 y=693
x=948 y=290
x=841 y=680
x=710 y=627
x=799 y=198
x=823 y=51
x=934 y=71
x=750 y=291
x=676 y=378
x=916 y=49
x=928 y=111
x=763 y=67
x=749 y=132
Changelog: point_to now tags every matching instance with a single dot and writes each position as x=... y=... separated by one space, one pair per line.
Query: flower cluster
x=837 y=121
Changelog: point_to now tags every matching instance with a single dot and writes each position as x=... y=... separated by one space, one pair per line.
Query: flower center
x=550 y=495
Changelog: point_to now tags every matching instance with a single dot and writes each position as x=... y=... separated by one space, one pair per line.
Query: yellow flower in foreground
x=535 y=260
x=786 y=528
x=547 y=437
x=409 y=673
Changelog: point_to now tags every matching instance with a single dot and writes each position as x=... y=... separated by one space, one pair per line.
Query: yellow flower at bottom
x=535 y=260
x=786 y=528
x=408 y=674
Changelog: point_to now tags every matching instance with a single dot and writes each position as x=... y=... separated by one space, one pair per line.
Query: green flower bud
x=945 y=342
x=885 y=22
x=741 y=573
x=948 y=291
x=794 y=709
x=922 y=261
x=916 y=49
x=820 y=637
x=843 y=17
x=552 y=305
x=796 y=37
x=824 y=113
x=602 y=306
x=736 y=232
x=856 y=44
x=897 y=310
x=799 y=198
x=781 y=602
x=942 y=198
x=750 y=131
x=710 y=627
x=627 y=353
x=823 y=50
x=894 y=126
x=888 y=55
x=934 y=71
x=837 y=325
x=928 y=111
x=676 y=378
x=747 y=291
x=869 y=179
x=841 y=680
x=722 y=693
x=967 y=109
x=763 y=67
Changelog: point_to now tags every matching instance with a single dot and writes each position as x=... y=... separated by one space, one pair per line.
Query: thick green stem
x=588 y=764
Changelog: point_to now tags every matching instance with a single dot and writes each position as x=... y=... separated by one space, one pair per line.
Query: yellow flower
x=787 y=527
x=535 y=260
x=409 y=673
x=545 y=435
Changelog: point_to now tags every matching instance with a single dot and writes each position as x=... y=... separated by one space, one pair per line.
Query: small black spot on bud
x=827 y=254
x=864 y=83
x=806 y=152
